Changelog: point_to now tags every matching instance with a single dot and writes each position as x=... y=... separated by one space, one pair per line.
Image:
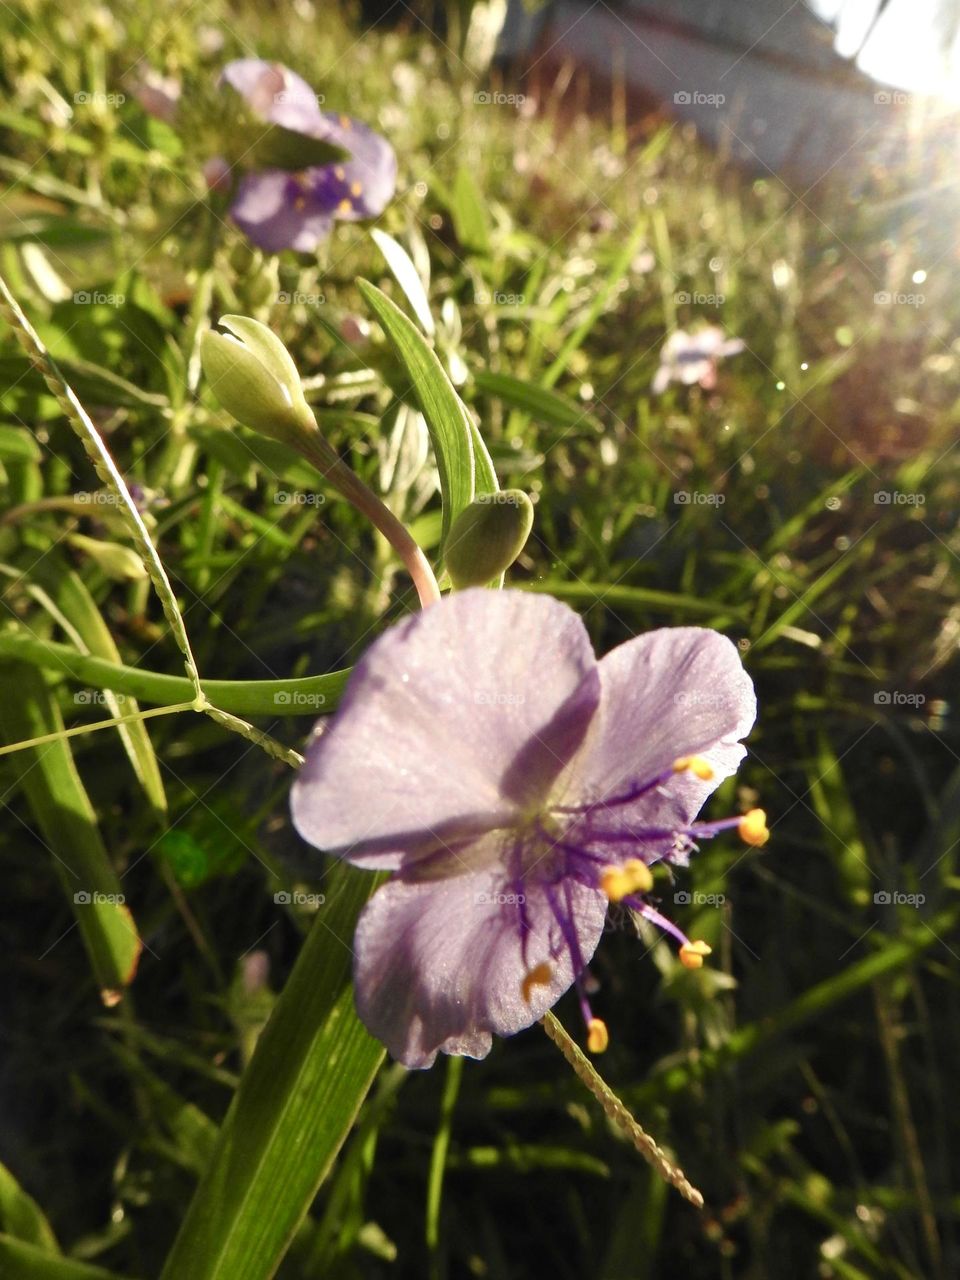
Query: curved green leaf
x=22 y=1261
x=407 y=277
x=22 y=1217
x=65 y=817
x=451 y=428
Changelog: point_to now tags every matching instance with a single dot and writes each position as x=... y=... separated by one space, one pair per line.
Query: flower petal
x=266 y=210
x=363 y=185
x=275 y=93
x=680 y=691
x=453 y=723
x=440 y=964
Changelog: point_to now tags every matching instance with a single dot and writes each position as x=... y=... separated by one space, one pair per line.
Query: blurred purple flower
x=514 y=786
x=278 y=209
x=692 y=357
x=156 y=93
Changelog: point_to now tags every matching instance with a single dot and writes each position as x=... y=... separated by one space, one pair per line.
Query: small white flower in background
x=692 y=357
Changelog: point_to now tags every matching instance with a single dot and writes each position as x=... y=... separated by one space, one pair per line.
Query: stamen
x=340 y=173
x=640 y=875
x=752 y=828
x=697 y=765
x=613 y=882
x=619 y=882
x=598 y=1037
x=692 y=953
x=540 y=975
x=356 y=188
x=345 y=206
x=650 y=913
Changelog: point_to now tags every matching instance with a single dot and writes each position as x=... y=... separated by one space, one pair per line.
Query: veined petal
x=441 y=963
x=680 y=691
x=455 y=722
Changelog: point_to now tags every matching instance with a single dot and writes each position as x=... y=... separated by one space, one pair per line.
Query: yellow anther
x=619 y=882
x=692 y=953
x=639 y=875
x=540 y=975
x=345 y=122
x=300 y=203
x=698 y=766
x=344 y=206
x=752 y=828
x=598 y=1037
x=614 y=883
x=356 y=188
x=340 y=173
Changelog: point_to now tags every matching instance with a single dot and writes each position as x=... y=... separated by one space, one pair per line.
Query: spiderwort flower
x=278 y=209
x=514 y=786
x=692 y=357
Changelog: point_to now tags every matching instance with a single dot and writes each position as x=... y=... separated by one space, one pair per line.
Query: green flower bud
x=253 y=376
x=119 y=563
x=487 y=537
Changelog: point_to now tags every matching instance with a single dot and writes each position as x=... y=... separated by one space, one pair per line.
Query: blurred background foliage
x=802 y=1079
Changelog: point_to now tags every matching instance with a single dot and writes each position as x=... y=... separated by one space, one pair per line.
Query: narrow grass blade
x=106 y=469
x=64 y=815
x=620 y=265
x=88 y=631
x=622 y=597
x=297 y=1101
x=539 y=402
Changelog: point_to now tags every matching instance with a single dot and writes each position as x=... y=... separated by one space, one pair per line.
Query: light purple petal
x=707 y=341
x=732 y=347
x=694 y=369
x=454 y=722
x=679 y=691
x=363 y=185
x=440 y=963
x=275 y=93
x=676 y=344
x=270 y=212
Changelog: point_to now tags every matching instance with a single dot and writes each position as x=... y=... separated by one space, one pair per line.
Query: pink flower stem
x=317 y=451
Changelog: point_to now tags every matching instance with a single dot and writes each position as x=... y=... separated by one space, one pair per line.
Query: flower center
x=603 y=845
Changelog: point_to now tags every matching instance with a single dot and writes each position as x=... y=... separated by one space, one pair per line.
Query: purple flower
x=692 y=357
x=278 y=209
x=158 y=94
x=514 y=786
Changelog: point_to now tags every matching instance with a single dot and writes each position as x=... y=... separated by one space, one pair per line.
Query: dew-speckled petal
x=454 y=722
x=440 y=964
x=680 y=691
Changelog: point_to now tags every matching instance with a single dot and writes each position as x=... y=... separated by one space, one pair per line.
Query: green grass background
x=802 y=1078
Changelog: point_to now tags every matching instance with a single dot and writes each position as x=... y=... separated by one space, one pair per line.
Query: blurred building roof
x=760 y=78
